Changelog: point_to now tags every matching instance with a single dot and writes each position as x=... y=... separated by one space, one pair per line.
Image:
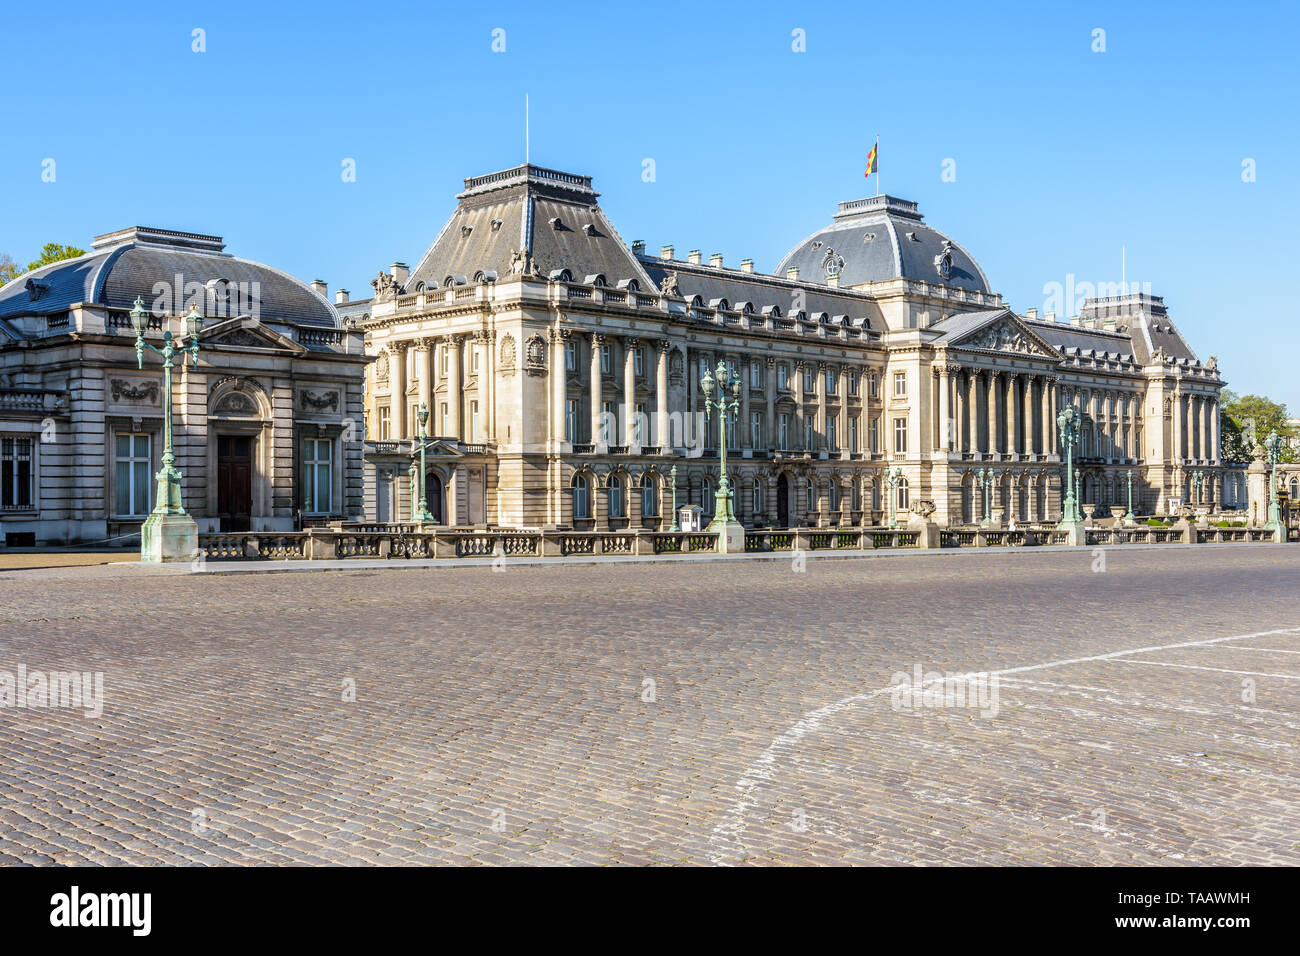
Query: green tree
x=55 y=252
x=8 y=268
x=1244 y=416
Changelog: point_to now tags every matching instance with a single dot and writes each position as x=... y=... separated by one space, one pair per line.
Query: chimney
x=1031 y=314
x=715 y=260
x=792 y=272
x=341 y=297
x=638 y=247
x=320 y=288
x=666 y=252
x=693 y=256
x=1050 y=317
x=833 y=281
x=400 y=272
x=1075 y=320
x=746 y=265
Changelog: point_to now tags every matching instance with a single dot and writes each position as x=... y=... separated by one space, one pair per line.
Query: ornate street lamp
x=411 y=484
x=731 y=534
x=1273 y=445
x=986 y=478
x=672 y=476
x=421 y=515
x=168 y=534
x=1129 y=516
x=1067 y=422
x=892 y=480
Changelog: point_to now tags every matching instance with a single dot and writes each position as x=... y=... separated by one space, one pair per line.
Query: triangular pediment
x=1005 y=333
x=247 y=333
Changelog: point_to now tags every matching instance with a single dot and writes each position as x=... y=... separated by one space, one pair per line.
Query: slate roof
x=127 y=263
x=712 y=283
x=552 y=215
x=878 y=239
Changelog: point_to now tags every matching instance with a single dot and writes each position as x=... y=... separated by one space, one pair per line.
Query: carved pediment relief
x=319 y=400
x=247 y=333
x=237 y=404
x=133 y=392
x=1007 y=335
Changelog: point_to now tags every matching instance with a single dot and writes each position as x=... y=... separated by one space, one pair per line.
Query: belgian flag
x=873 y=159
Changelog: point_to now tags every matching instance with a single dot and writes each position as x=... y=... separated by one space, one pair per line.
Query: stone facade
x=562 y=371
x=278 y=380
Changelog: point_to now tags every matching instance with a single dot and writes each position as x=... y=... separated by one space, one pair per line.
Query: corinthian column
x=661 y=397
x=1012 y=380
x=993 y=411
x=397 y=388
x=597 y=340
x=629 y=390
x=945 y=424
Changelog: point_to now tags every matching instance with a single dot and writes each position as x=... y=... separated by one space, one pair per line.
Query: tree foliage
x=8 y=268
x=1246 y=421
x=55 y=252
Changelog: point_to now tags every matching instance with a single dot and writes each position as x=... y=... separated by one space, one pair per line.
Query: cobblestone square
x=723 y=712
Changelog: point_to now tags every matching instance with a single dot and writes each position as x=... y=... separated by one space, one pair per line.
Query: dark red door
x=234 y=481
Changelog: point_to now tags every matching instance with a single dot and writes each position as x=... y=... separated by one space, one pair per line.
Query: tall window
x=833 y=497
x=901 y=502
x=731 y=433
x=900 y=436
x=756 y=497
x=706 y=495
x=782 y=379
x=830 y=381
x=810 y=494
x=875 y=436
x=605 y=361
x=317 y=476
x=638 y=362
x=444 y=415
x=385 y=423
x=16 y=472
x=900 y=384
x=853 y=382
x=445 y=354
x=856 y=503
x=132 y=486
x=571 y=407
x=649 y=504
x=756 y=429
x=809 y=382
x=875 y=386
x=413 y=418
x=580 y=500
x=615 y=496
x=808 y=434
x=853 y=436
x=608 y=422
x=473 y=359
x=473 y=421
x=570 y=356
x=639 y=425
x=832 y=433
x=755 y=375
x=783 y=430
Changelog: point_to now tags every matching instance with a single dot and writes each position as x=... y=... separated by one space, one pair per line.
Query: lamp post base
x=1075 y=527
x=169 y=537
x=731 y=535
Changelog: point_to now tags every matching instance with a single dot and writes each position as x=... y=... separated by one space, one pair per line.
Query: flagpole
x=877 y=164
x=525 y=129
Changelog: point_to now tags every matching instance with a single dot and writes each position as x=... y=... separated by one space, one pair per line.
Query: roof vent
x=868 y=237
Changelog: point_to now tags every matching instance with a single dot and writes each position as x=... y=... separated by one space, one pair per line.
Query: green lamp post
x=421 y=514
x=672 y=476
x=986 y=493
x=1129 y=516
x=730 y=532
x=412 y=490
x=169 y=533
x=1273 y=446
x=892 y=480
x=1067 y=422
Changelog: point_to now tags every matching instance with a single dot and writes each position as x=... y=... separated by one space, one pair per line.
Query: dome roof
x=883 y=238
x=124 y=264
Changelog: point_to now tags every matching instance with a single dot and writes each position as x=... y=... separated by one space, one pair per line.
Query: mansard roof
x=714 y=283
x=550 y=216
x=883 y=238
x=124 y=264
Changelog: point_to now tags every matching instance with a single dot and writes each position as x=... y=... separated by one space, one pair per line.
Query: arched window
x=901 y=503
x=875 y=495
x=810 y=494
x=581 y=503
x=649 y=502
x=756 y=497
x=833 y=499
x=616 y=496
x=706 y=495
x=1295 y=488
x=856 y=504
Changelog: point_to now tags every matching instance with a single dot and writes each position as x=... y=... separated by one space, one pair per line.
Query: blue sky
x=1062 y=155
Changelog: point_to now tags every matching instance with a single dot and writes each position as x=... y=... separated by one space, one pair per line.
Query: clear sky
x=1062 y=155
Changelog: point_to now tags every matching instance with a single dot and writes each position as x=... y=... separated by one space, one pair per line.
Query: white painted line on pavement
x=1198 y=667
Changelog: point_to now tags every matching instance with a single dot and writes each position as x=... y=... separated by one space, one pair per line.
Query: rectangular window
x=445 y=357
x=900 y=436
x=616 y=498
x=571 y=420
x=731 y=433
x=755 y=375
x=832 y=433
x=853 y=436
x=782 y=380
x=413 y=419
x=809 y=383
x=133 y=461
x=640 y=425
x=608 y=422
x=317 y=476
x=444 y=416
x=704 y=367
x=638 y=363
x=808 y=435
x=16 y=473
x=473 y=421
x=473 y=358
x=853 y=383
x=605 y=360
x=756 y=429
x=900 y=384
x=385 y=423
x=570 y=356
x=875 y=436
x=830 y=382
x=783 y=431
x=875 y=386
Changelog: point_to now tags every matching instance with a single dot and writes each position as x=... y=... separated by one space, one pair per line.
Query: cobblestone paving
x=502 y=717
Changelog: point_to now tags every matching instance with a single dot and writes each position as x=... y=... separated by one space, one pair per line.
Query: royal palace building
x=267 y=424
x=561 y=372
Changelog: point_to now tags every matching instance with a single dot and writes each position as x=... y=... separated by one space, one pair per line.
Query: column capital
x=559 y=334
x=598 y=338
x=450 y=340
x=664 y=345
